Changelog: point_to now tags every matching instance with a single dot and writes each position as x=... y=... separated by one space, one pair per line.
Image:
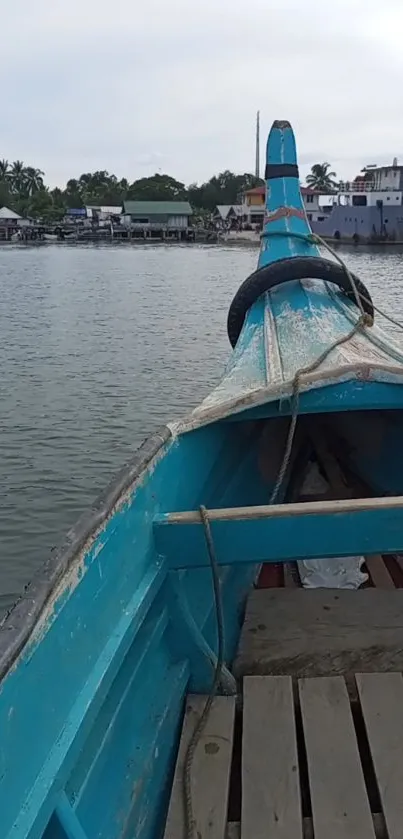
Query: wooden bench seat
x=320 y=632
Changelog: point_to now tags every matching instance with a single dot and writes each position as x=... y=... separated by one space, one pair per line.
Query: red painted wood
x=271 y=576
x=395 y=570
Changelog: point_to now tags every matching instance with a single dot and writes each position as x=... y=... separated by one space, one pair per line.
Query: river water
x=98 y=347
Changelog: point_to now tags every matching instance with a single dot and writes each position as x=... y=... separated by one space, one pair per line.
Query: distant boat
x=367 y=210
x=144 y=602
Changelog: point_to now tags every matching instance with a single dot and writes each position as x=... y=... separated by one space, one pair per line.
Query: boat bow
x=290 y=326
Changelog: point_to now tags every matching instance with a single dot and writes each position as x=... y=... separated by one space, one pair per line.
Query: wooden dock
x=310 y=762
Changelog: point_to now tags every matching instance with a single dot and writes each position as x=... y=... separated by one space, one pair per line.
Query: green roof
x=149 y=208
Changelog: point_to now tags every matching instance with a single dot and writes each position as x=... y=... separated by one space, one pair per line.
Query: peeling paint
x=283 y=212
x=293 y=335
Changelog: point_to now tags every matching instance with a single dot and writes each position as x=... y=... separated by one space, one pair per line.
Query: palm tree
x=321 y=178
x=17 y=176
x=4 y=169
x=33 y=180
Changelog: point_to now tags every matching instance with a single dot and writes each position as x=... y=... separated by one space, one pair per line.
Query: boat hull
x=362 y=225
x=98 y=655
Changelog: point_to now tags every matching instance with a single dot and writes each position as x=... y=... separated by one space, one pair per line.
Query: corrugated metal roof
x=149 y=208
x=224 y=209
x=6 y=213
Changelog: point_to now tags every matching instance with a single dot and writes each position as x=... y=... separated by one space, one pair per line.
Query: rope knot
x=366 y=319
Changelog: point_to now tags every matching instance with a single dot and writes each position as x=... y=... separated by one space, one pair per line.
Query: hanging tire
x=295 y=268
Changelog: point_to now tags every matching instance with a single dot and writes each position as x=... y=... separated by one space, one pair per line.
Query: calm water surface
x=98 y=347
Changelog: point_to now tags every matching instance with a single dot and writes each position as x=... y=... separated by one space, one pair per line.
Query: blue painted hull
x=91 y=701
x=97 y=657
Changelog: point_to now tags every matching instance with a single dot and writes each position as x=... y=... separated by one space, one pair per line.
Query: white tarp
x=339 y=572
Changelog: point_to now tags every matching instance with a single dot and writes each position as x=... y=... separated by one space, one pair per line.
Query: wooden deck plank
x=271 y=803
x=378 y=572
x=303 y=632
x=381 y=697
x=340 y=807
x=211 y=770
x=234 y=828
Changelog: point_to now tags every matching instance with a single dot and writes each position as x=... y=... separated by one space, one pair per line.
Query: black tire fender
x=294 y=268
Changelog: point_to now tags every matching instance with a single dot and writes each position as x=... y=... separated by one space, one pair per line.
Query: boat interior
x=134 y=675
x=216 y=650
x=312 y=741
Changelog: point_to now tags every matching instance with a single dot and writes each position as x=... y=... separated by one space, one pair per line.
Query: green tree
x=157 y=188
x=17 y=177
x=6 y=199
x=72 y=194
x=321 y=178
x=23 y=189
x=224 y=188
x=5 y=184
x=4 y=169
x=59 y=202
x=41 y=205
x=33 y=180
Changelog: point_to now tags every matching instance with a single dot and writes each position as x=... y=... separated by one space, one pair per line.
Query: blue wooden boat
x=99 y=654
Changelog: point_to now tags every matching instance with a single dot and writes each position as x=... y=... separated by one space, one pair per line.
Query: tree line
x=23 y=189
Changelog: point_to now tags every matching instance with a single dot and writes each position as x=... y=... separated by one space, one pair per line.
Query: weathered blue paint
x=283 y=192
x=69 y=824
x=347 y=396
x=272 y=539
x=98 y=655
x=105 y=645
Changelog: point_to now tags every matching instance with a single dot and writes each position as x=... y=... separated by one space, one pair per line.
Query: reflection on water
x=99 y=346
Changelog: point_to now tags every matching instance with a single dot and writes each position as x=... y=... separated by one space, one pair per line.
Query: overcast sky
x=138 y=86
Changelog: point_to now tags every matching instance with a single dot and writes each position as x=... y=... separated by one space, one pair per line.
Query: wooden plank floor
x=271 y=798
x=311 y=763
x=211 y=770
x=321 y=632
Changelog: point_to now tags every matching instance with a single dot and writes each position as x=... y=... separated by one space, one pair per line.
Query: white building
x=378 y=183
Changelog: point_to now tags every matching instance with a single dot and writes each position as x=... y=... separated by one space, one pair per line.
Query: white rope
x=363 y=321
x=324 y=244
x=313 y=237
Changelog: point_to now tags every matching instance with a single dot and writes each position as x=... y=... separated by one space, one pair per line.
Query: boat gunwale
x=20 y=620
